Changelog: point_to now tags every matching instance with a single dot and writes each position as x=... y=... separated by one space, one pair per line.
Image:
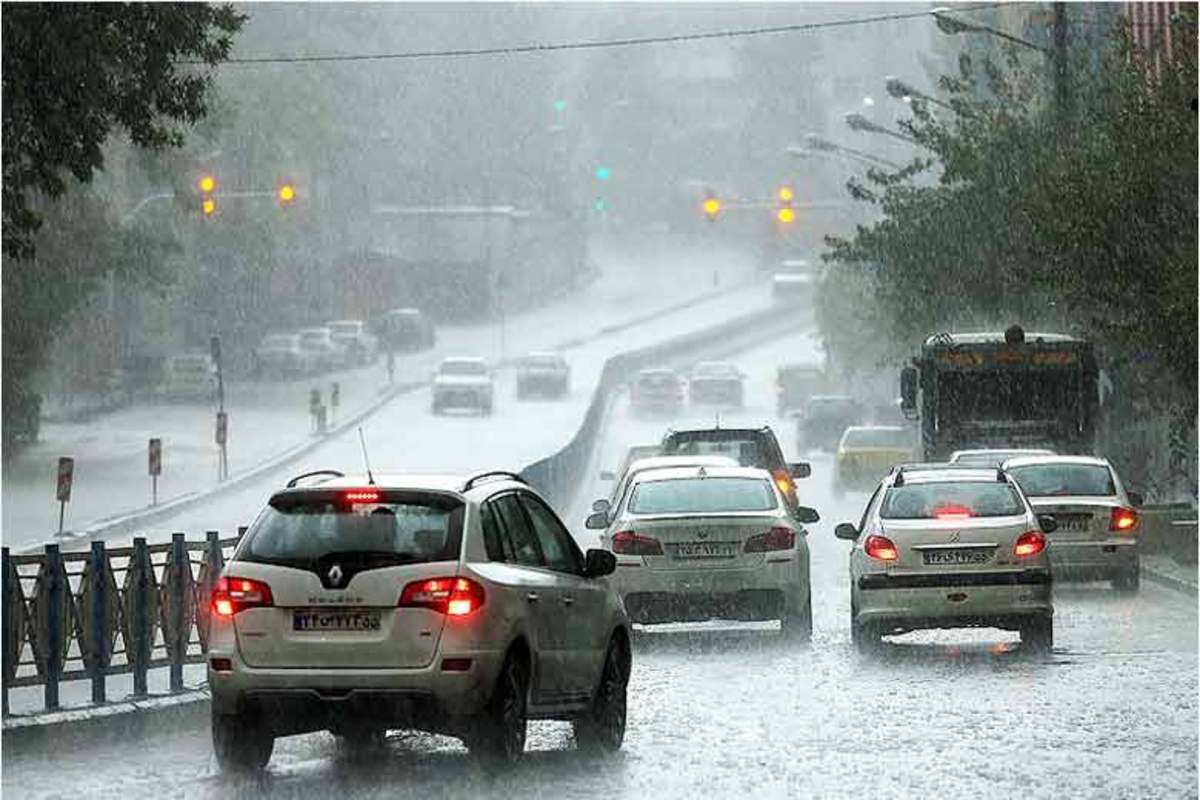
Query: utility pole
x=1062 y=99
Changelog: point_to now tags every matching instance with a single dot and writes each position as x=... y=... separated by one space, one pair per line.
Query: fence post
x=214 y=562
x=142 y=643
x=54 y=627
x=177 y=644
x=10 y=596
x=98 y=577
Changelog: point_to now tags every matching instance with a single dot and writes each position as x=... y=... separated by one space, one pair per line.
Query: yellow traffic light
x=208 y=206
x=208 y=184
x=712 y=207
x=287 y=193
x=786 y=194
x=786 y=214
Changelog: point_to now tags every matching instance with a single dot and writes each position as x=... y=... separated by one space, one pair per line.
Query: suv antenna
x=367 y=461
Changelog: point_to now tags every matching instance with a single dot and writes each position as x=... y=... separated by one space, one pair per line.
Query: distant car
x=751 y=447
x=543 y=375
x=635 y=453
x=281 y=355
x=462 y=382
x=407 y=329
x=458 y=607
x=824 y=419
x=1098 y=520
x=992 y=458
x=190 y=376
x=795 y=279
x=656 y=462
x=867 y=453
x=949 y=547
x=320 y=346
x=715 y=542
x=796 y=383
x=657 y=391
x=361 y=345
x=717 y=383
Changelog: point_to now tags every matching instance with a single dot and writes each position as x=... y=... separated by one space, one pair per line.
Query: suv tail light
x=881 y=548
x=775 y=539
x=1123 y=520
x=784 y=482
x=628 y=543
x=232 y=595
x=1028 y=544
x=455 y=597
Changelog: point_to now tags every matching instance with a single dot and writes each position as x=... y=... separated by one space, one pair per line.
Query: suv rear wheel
x=601 y=729
x=242 y=742
x=499 y=732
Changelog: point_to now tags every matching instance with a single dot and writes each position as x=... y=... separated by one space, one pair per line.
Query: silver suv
x=461 y=607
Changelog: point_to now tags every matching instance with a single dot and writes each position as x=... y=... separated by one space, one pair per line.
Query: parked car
x=543 y=375
x=656 y=391
x=1098 y=520
x=358 y=605
x=281 y=355
x=320 y=346
x=992 y=458
x=824 y=419
x=715 y=542
x=796 y=383
x=866 y=453
x=949 y=547
x=361 y=345
x=462 y=382
x=795 y=279
x=716 y=382
x=190 y=376
x=751 y=447
x=407 y=329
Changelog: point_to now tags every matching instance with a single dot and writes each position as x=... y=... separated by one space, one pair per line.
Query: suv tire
x=498 y=734
x=241 y=742
x=601 y=729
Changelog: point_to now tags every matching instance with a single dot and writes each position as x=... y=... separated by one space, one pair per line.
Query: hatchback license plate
x=341 y=620
x=706 y=550
x=950 y=558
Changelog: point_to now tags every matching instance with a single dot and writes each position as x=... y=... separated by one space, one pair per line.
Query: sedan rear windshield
x=410 y=529
x=946 y=500
x=702 y=496
x=1047 y=480
x=463 y=368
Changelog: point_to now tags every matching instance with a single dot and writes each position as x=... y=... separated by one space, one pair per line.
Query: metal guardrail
x=79 y=622
x=1170 y=530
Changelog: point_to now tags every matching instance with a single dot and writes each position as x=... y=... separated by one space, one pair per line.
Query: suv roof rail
x=494 y=473
x=332 y=473
x=937 y=466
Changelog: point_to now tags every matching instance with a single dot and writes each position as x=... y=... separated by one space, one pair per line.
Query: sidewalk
x=1168 y=572
x=270 y=419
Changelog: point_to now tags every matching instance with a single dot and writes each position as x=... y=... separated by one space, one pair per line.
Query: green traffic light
x=560 y=106
x=603 y=173
x=600 y=204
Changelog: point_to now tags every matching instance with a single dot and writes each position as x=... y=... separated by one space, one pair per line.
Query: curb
x=1169 y=581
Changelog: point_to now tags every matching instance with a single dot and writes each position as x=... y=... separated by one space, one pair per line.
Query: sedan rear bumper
x=764 y=591
x=1102 y=560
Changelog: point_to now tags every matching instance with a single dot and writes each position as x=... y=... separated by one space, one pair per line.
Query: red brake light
x=628 y=543
x=1029 y=543
x=455 y=597
x=775 y=539
x=232 y=595
x=362 y=496
x=952 y=511
x=881 y=548
x=1124 y=520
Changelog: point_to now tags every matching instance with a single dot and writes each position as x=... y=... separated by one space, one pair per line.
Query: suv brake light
x=628 y=543
x=1123 y=520
x=455 y=597
x=232 y=595
x=881 y=548
x=775 y=539
x=1028 y=544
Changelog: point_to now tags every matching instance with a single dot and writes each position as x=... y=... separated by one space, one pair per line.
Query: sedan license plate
x=319 y=620
x=706 y=550
x=955 y=558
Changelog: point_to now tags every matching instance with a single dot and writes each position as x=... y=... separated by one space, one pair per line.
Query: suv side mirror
x=847 y=531
x=1047 y=523
x=597 y=521
x=598 y=563
x=807 y=515
x=600 y=506
x=908 y=389
x=1137 y=498
x=801 y=469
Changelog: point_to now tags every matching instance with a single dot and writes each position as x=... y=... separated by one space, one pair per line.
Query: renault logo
x=335 y=575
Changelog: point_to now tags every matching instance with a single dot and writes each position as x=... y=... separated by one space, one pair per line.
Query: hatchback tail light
x=628 y=543
x=881 y=548
x=1029 y=544
x=232 y=595
x=775 y=539
x=455 y=597
x=1123 y=520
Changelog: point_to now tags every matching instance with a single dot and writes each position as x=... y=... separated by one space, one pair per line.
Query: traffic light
x=786 y=194
x=603 y=173
x=287 y=193
x=209 y=206
x=785 y=212
x=712 y=207
x=207 y=184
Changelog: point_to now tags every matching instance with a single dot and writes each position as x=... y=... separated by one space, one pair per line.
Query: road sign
x=66 y=476
x=222 y=428
x=156 y=457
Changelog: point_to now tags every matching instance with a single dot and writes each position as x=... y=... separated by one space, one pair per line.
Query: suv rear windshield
x=402 y=528
x=878 y=437
x=945 y=499
x=749 y=450
x=1046 y=480
x=702 y=496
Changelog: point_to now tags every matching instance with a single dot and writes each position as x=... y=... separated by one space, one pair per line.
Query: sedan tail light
x=1029 y=544
x=455 y=597
x=1123 y=520
x=881 y=548
x=775 y=539
x=232 y=595
x=628 y=543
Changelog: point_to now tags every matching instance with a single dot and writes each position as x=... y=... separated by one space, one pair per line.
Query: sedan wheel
x=799 y=626
x=602 y=728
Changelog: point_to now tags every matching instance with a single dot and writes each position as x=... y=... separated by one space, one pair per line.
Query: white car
x=463 y=383
x=994 y=457
x=616 y=499
x=949 y=547
x=280 y=354
x=191 y=376
x=319 y=345
x=1098 y=521
x=360 y=344
x=700 y=543
x=461 y=607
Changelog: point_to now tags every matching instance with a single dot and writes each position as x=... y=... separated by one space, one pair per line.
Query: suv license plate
x=341 y=620
x=952 y=558
x=706 y=550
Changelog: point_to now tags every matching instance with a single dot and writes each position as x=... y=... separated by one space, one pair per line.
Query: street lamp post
x=901 y=90
x=858 y=122
x=816 y=145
